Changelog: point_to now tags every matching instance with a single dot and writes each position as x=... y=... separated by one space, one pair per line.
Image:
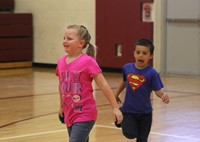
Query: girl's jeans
x=79 y=131
x=137 y=126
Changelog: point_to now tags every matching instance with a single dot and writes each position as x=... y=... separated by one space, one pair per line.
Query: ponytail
x=91 y=50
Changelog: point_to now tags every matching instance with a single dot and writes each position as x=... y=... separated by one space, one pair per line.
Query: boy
x=139 y=79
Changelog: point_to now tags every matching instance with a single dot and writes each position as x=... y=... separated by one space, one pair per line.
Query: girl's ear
x=82 y=43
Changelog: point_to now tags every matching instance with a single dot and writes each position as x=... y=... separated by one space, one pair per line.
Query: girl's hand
x=117 y=115
x=61 y=116
x=60 y=112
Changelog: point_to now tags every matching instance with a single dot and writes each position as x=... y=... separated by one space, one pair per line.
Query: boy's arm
x=120 y=88
x=163 y=96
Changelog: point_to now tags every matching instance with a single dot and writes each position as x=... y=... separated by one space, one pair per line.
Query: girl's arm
x=105 y=88
x=163 y=96
x=61 y=103
x=120 y=88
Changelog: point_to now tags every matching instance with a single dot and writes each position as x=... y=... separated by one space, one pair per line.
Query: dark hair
x=147 y=43
x=84 y=34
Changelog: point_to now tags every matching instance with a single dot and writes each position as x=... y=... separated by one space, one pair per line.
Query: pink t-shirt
x=76 y=90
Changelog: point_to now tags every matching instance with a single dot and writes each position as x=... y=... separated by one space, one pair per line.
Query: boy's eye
x=137 y=52
x=144 y=53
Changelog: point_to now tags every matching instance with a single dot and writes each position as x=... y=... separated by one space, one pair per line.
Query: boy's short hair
x=147 y=43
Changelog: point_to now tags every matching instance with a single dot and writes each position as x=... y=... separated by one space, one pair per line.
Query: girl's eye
x=69 y=38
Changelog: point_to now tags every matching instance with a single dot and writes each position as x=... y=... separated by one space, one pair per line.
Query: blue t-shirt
x=139 y=85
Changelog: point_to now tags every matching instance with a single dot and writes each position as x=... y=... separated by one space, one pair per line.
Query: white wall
x=50 y=18
x=183 y=38
x=159 y=35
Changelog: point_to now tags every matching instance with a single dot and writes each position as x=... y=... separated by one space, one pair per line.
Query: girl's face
x=142 y=56
x=71 y=42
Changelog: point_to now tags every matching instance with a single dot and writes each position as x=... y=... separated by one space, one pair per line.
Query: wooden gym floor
x=29 y=104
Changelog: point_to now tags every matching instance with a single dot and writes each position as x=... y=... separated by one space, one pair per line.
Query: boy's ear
x=151 y=56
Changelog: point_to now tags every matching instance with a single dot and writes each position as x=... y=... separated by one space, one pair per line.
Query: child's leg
x=144 y=127
x=79 y=132
x=129 y=126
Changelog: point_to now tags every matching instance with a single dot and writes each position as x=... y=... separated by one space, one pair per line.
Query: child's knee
x=129 y=135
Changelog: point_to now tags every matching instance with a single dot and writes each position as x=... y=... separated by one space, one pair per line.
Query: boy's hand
x=165 y=98
x=118 y=99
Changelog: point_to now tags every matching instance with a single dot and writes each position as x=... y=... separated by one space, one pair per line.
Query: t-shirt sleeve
x=57 y=72
x=93 y=68
x=124 y=73
x=59 y=63
x=57 y=68
x=156 y=82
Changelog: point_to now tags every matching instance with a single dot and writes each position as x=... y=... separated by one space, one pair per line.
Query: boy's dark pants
x=137 y=126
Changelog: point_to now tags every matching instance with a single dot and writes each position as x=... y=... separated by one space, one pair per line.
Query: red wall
x=7 y=5
x=16 y=37
x=119 y=22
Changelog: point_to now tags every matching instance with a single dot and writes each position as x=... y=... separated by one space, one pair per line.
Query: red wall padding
x=6 y=5
x=16 y=37
x=119 y=22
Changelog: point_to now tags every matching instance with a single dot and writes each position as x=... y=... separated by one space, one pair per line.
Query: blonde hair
x=84 y=34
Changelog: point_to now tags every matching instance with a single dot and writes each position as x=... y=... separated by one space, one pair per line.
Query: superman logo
x=135 y=81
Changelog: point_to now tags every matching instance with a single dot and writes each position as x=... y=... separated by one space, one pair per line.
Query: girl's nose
x=64 y=41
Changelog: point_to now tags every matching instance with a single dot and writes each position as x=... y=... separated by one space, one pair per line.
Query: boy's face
x=142 y=56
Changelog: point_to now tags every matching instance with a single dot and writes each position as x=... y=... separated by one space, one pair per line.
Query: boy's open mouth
x=140 y=60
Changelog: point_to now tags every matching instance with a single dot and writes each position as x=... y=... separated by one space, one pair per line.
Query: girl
x=76 y=72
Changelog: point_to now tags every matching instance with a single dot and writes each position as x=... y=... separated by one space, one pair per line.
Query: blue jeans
x=137 y=126
x=79 y=131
